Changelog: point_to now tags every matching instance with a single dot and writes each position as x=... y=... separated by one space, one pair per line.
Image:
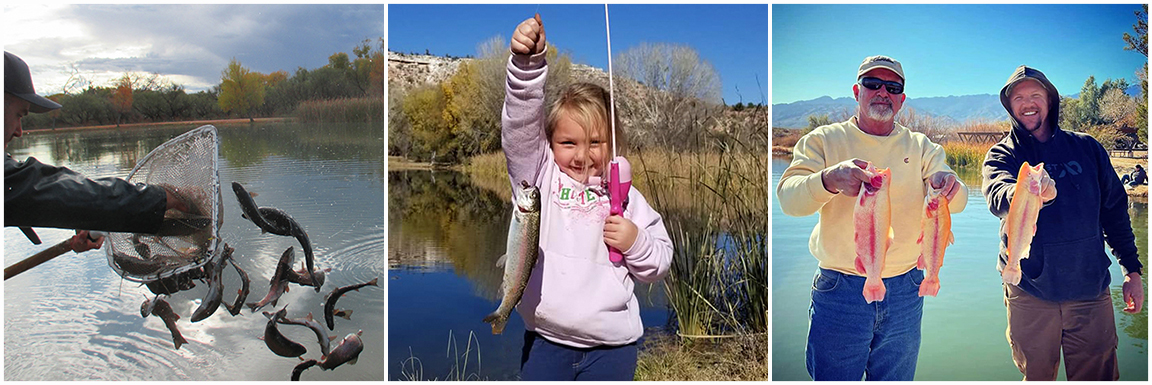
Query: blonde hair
x=587 y=104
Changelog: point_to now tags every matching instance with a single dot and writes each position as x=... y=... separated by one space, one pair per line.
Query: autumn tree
x=241 y=90
x=122 y=97
x=680 y=95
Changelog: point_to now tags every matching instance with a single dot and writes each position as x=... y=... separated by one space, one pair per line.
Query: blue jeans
x=544 y=360
x=849 y=339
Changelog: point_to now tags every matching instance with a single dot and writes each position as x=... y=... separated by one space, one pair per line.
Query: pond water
x=963 y=328
x=445 y=233
x=73 y=318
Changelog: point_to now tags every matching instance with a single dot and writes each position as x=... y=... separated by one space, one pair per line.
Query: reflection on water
x=445 y=234
x=968 y=315
x=73 y=318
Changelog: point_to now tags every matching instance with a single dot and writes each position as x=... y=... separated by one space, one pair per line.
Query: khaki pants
x=1038 y=329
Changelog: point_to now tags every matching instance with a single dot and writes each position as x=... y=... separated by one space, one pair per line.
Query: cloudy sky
x=188 y=44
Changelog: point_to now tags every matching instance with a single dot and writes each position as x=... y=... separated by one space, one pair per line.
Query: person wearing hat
x=1062 y=302
x=848 y=337
x=1136 y=178
x=41 y=195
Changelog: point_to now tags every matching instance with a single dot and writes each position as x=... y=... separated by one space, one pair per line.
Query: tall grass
x=352 y=110
x=965 y=154
x=412 y=369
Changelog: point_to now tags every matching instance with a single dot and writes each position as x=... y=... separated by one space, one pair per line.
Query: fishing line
x=611 y=86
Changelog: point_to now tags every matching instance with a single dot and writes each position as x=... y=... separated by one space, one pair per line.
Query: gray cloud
x=198 y=40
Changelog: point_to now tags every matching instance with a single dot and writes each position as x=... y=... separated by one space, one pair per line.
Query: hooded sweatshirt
x=575 y=296
x=1067 y=260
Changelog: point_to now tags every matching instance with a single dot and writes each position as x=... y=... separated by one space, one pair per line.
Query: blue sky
x=948 y=49
x=733 y=38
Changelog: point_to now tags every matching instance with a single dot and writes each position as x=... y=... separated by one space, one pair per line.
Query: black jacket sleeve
x=41 y=195
x=1114 y=218
x=999 y=172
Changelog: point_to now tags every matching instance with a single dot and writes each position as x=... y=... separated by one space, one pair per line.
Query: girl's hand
x=619 y=232
x=82 y=242
x=528 y=38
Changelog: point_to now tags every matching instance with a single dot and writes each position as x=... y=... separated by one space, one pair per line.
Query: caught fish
x=330 y=300
x=277 y=342
x=317 y=328
x=160 y=308
x=241 y=294
x=303 y=278
x=1022 y=215
x=215 y=294
x=935 y=236
x=285 y=225
x=347 y=351
x=279 y=284
x=343 y=313
x=872 y=222
x=301 y=368
x=520 y=255
x=275 y=221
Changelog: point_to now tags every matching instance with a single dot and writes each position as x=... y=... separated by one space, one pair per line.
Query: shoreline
x=155 y=124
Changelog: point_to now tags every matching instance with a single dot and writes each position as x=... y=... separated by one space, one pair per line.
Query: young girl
x=581 y=316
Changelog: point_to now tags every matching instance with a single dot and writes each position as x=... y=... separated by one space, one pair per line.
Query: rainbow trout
x=317 y=328
x=160 y=308
x=935 y=236
x=520 y=255
x=279 y=284
x=275 y=221
x=277 y=342
x=215 y=295
x=330 y=300
x=1022 y=215
x=347 y=351
x=303 y=278
x=872 y=222
x=241 y=294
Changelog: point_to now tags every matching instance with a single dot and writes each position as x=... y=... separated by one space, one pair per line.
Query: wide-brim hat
x=18 y=82
x=880 y=61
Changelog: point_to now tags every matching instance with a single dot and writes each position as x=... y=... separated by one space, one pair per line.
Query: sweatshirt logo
x=582 y=198
x=1060 y=170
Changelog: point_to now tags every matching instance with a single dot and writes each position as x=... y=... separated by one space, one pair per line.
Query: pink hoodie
x=576 y=296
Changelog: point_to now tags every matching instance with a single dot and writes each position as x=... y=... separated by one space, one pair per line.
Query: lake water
x=445 y=233
x=963 y=328
x=73 y=318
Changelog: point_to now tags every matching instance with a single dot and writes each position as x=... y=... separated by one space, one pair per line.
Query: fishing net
x=187 y=167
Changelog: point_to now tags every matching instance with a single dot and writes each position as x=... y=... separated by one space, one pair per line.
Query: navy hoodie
x=1067 y=261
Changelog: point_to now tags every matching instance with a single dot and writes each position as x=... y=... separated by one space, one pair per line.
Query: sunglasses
x=894 y=88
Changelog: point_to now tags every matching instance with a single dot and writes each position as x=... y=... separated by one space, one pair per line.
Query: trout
x=277 y=342
x=347 y=351
x=872 y=221
x=160 y=308
x=303 y=278
x=519 y=259
x=299 y=369
x=330 y=300
x=343 y=313
x=935 y=236
x=241 y=294
x=317 y=328
x=279 y=284
x=215 y=295
x=275 y=221
x=1022 y=214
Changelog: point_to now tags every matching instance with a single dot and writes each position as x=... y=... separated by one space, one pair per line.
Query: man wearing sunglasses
x=1062 y=301
x=848 y=337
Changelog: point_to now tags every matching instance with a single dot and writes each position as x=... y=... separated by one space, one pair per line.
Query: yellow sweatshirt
x=912 y=158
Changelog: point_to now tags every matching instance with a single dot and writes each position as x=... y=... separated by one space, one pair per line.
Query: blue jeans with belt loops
x=849 y=339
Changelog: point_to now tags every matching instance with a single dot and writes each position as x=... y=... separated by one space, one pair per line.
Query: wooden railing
x=981 y=136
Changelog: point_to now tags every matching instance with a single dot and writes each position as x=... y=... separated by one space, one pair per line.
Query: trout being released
x=935 y=235
x=872 y=220
x=1022 y=214
x=520 y=255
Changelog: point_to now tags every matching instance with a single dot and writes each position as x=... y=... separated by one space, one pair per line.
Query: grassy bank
x=194 y=123
x=352 y=110
x=667 y=358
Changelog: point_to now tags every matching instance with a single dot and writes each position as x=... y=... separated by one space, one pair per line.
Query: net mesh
x=187 y=167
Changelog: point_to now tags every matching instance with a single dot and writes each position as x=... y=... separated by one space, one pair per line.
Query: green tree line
x=140 y=98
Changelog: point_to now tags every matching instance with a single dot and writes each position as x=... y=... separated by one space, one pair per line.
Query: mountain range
x=962 y=108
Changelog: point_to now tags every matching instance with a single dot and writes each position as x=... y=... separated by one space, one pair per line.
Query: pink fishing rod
x=619 y=171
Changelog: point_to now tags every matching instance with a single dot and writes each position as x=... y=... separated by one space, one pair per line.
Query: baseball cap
x=880 y=61
x=18 y=82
